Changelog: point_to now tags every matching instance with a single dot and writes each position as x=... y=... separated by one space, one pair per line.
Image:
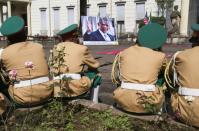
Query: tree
x=163 y=5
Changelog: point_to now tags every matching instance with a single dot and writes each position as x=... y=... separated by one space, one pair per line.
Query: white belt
x=142 y=87
x=188 y=91
x=31 y=82
x=1 y=51
x=68 y=75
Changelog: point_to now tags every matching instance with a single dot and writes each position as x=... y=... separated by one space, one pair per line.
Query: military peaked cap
x=68 y=29
x=195 y=27
x=152 y=36
x=12 y=26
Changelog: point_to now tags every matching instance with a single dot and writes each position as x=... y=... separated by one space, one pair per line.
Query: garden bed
x=58 y=116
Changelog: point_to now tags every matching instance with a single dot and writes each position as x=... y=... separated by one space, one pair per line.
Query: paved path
x=107 y=87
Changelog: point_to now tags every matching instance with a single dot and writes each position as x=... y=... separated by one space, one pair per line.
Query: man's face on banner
x=103 y=26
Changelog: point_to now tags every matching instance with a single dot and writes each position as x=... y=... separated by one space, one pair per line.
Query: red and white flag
x=146 y=19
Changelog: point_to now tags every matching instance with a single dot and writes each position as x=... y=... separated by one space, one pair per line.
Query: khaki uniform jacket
x=14 y=57
x=139 y=65
x=186 y=65
x=76 y=57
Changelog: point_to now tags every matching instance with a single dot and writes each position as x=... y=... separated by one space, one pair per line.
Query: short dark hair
x=20 y=36
x=103 y=20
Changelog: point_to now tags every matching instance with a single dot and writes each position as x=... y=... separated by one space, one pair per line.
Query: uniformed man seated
x=183 y=77
x=25 y=63
x=139 y=88
x=69 y=61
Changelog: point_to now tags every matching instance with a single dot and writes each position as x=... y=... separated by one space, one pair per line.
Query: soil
x=61 y=116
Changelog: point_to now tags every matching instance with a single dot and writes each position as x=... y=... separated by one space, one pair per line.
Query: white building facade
x=50 y=16
x=47 y=17
x=125 y=12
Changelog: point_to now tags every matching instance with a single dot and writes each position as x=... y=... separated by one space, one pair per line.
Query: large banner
x=98 y=30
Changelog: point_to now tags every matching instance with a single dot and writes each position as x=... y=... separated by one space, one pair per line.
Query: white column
x=184 y=17
x=78 y=12
x=29 y=18
x=9 y=8
x=49 y=16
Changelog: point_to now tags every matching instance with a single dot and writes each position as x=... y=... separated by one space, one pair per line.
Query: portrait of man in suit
x=101 y=34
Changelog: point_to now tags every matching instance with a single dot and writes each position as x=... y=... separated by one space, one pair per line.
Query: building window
x=120 y=18
x=120 y=13
x=56 y=19
x=88 y=10
x=140 y=11
x=102 y=10
x=120 y=28
x=70 y=15
x=43 y=21
x=4 y=13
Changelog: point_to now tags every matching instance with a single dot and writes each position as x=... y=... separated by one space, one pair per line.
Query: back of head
x=69 y=33
x=13 y=29
x=152 y=36
x=195 y=36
